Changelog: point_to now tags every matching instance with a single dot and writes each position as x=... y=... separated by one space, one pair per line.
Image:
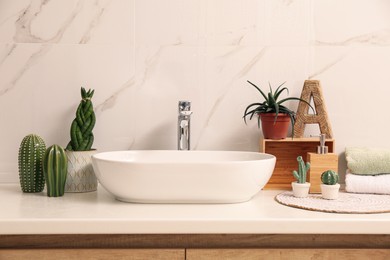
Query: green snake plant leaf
x=81 y=128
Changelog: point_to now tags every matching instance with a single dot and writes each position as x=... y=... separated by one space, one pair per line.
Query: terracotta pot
x=274 y=130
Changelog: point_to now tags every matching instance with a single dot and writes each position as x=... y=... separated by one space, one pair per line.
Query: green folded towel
x=368 y=161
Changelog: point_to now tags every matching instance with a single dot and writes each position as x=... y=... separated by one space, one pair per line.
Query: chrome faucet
x=183 y=125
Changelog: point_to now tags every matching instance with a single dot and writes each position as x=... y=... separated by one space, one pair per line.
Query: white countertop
x=99 y=213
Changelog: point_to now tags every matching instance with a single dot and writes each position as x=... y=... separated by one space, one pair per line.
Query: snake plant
x=81 y=129
x=271 y=104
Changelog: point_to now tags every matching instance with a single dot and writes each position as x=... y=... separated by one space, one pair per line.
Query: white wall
x=142 y=56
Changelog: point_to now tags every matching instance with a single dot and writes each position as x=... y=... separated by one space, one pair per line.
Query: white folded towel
x=377 y=184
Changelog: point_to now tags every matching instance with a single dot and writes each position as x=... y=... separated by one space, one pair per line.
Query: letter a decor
x=312 y=88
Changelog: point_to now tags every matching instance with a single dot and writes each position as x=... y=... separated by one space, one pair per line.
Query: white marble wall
x=142 y=56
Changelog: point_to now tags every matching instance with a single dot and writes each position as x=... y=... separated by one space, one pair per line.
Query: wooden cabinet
x=287 y=254
x=195 y=246
x=92 y=254
x=194 y=254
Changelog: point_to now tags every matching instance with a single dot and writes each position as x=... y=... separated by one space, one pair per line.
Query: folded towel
x=377 y=184
x=368 y=161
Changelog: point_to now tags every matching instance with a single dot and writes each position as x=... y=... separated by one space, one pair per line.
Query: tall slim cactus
x=55 y=166
x=329 y=177
x=30 y=157
x=81 y=129
x=300 y=176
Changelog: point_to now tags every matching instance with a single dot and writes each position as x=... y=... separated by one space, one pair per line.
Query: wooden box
x=286 y=152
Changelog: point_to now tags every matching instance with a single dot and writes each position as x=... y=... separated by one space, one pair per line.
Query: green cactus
x=300 y=176
x=81 y=136
x=329 y=177
x=30 y=157
x=55 y=167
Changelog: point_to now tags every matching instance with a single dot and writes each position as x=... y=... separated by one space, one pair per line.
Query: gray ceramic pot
x=81 y=177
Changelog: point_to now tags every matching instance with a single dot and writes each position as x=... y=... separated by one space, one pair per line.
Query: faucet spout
x=184 y=123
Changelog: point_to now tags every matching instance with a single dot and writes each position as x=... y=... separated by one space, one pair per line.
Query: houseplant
x=31 y=151
x=55 y=166
x=275 y=118
x=301 y=187
x=81 y=177
x=330 y=186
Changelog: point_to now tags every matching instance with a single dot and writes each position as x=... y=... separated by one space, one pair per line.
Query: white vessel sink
x=183 y=176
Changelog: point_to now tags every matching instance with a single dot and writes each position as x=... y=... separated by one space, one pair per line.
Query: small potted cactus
x=55 y=166
x=31 y=152
x=81 y=177
x=330 y=186
x=301 y=187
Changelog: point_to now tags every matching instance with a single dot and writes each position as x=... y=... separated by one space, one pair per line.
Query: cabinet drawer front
x=287 y=254
x=86 y=254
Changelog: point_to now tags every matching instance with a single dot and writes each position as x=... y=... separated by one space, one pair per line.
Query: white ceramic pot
x=300 y=190
x=330 y=192
x=81 y=177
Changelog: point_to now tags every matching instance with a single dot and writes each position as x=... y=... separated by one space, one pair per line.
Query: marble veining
x=142 y=56
x=149 y=63
x=24 y=22
x=288 y=2
x=8 y=50
x=30 y=23
x=239 y=75
x=110 y=101
x=378 y=38
x=237 y=37
x=100 y=10
x=328 y=66
x=31 y=61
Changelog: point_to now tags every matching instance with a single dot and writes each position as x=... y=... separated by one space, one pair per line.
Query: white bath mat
x=346 y=203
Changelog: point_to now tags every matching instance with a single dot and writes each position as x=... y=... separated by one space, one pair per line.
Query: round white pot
x=330 y=192
x=300 y=190
x=81 y=177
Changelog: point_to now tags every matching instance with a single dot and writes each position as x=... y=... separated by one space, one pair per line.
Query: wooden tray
x=286 y=152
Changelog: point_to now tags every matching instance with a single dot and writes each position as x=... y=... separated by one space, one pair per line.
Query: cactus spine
x=55 y=165
x=300 y=176
x=31 y=151
x=81 y=129
x=329 y=177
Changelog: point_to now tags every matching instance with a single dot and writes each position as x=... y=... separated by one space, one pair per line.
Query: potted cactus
x=81 y=177
x=301 y=187
x=31 y=152
x=330 y=186
x=55 y=166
